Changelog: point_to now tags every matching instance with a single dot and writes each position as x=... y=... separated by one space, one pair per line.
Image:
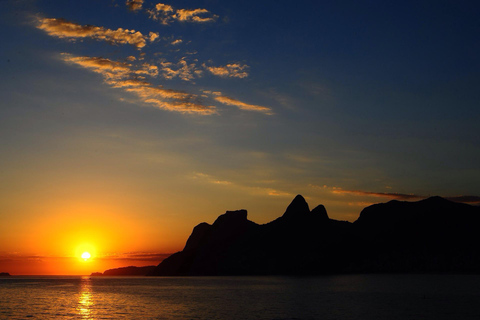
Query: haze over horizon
x=126 y=123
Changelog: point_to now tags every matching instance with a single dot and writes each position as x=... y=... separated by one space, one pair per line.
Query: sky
x=124 y=124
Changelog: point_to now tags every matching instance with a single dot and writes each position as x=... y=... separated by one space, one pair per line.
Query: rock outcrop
x=432 y=235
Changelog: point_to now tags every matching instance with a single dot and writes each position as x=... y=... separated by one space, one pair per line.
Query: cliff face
x=432 y=235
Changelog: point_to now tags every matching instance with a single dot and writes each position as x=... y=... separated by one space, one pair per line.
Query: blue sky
x=178 y=111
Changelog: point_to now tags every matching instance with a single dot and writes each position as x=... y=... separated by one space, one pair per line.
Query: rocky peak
x=232 y=217
x=298 y=207
x=198 y=233
x=320 y=212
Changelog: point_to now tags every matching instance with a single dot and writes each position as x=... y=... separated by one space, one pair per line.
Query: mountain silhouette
x=126 y=271
x=431 y=235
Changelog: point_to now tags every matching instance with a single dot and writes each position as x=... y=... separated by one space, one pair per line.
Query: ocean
x=369 y=297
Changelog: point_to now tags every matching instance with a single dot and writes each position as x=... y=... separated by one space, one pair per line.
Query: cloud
x=134 y=256
x=134 y=5
x=130 y=256
x=160 y=7
x=390 y=195
x=16 y=257
x=398 y=196
x=171 y=100
x=211 y=179
x=232 y=70
x=122 y=75
x=193 y=15
x=131 y=74
x=250 y=189
x=152 y=36
x=242 y=105
x=106 y=67
x=165 y=14
x=147 y=69
x=182 y=69
x=276 y=193
x=64 y=29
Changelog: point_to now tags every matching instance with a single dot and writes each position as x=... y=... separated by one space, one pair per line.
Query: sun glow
x=86 y=256
x=86 y=252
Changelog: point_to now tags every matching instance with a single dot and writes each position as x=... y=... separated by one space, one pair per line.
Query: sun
x=85 y=252
x=86 y=255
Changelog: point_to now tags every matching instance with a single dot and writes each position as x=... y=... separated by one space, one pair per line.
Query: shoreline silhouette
x=434 y=235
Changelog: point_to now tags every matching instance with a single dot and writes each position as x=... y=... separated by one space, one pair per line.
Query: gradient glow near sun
x=86 y=255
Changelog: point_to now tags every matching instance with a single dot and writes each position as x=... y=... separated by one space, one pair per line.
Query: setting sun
x=86 y=256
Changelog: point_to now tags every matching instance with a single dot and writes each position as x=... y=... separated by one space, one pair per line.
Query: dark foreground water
x=330 y=297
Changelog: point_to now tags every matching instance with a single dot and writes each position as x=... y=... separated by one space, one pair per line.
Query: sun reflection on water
x=85 y=299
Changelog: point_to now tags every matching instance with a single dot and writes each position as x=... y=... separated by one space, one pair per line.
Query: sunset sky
x=124 y=124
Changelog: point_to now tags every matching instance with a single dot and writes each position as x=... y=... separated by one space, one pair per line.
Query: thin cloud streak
x=250 y=189
x=132 y=256
x=62 y=28
x=242 y=105
x=118 y=75
x=391 y=195
x=398 y=196
x=154 y=257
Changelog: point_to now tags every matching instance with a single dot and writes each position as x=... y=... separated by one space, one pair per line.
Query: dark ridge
x=126 y=271
x=433 y=235
x=4 y=274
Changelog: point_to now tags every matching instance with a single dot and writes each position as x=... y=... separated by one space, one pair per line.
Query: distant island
x=4 y=274
x=434 y=235
x=126 y=271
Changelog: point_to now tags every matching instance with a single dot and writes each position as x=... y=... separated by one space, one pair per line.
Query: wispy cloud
x=194 y=15
x=182 y=69
x=211 y=179
x=176 y=100
x=390 y=195
x=242 y=105
x=62 y=28
x=231 y=70
x=249 y=189
x=136 y=256
x=166 y=14
x=106 y=67
x=130 y=256
x=118 y=75
x=132 y=74
x=134 y=5
x=14 y=257
x=397 y=196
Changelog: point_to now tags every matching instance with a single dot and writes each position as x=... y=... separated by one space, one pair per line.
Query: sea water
x=329 y=297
